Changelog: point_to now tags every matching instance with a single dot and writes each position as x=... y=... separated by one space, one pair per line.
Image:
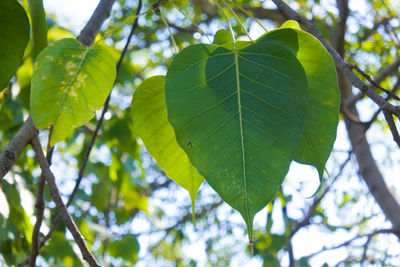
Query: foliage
x=236 y=113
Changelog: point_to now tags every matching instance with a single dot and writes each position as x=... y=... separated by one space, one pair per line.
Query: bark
x=91 y=29
x=61 y=207
x=16 y=146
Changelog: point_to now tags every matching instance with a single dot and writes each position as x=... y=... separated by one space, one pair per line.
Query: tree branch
x=374 y=83
x=92 y=28
x=392 y=127
x=55 y=195
x=264 y=13
x=387 y=71
x=306 y=219
x=348 y=242
x=40 y=206
x=338 y=60
x=382 y=74
x=15 y=147
x=368 y=169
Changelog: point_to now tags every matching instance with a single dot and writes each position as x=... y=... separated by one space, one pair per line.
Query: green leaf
x=70 y=81
x=17 y=214
x=292 y=24
x=14 y=36
x=323 y=108
x=243 y=111
x=60 y=248
x=222 y=37
x=127 y=248
x=149 y=113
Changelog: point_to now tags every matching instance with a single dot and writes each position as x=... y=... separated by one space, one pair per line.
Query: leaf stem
x=170 y=33
x=238 y=20
x=250 y=15
x=39 y=28
x=194 y=23
x=227 y=21
x=127 y=21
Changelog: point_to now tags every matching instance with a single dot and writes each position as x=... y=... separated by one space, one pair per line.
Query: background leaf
x=70 y=81
x=14 y=36
x=127 y=248
x=323 y=107
x=243 y=111
x=150 y=118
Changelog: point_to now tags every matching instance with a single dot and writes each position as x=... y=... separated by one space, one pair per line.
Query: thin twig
x=368 y=124
x=62 y=209
x=392 y=127
x=348 y=242
x=366 y=76
x=187 y=17
x=40 y=206
x=383 y=74
x=250 y=15
x=171 y=36
x=306 y=219
x=238 y=20
x=338 y=60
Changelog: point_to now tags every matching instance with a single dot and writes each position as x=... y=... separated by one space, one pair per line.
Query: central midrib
x=69 y=86
x=241 y=135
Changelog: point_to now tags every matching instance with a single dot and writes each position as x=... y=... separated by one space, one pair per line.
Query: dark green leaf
x=323 y=107
x=243 y=112
x=14 y=36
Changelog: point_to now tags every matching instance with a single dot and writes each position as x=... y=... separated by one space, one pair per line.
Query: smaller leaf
x=70 y=81
x=149 y=112
x=292 y=24
x=222 y=37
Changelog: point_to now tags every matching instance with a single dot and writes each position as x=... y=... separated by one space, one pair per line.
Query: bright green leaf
x=14 y=36
x=70 y=81
x=323 y=107
x=150 y=118
x=222 y=37
x=243 y=112
x=292 y=24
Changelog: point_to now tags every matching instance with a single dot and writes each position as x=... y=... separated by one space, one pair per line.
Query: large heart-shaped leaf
x=243 y=111
x=70 y=81
x=150 y=118
x=323 y=107
x=14 y=36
